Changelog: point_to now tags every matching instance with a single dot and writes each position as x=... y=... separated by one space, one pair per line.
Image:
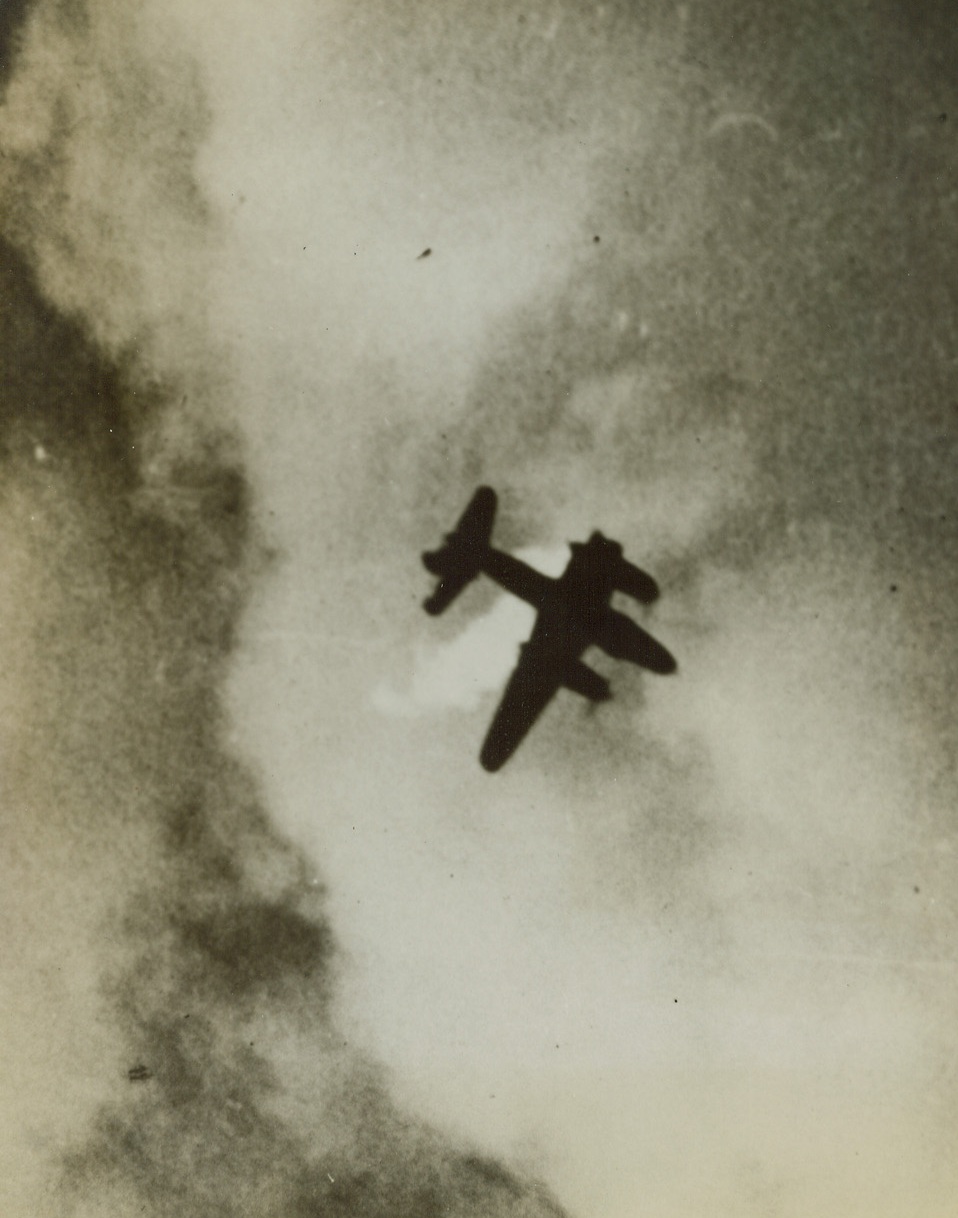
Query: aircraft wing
x=532 y=686
x=536 y=680
x=635 y=582
x=624 y=639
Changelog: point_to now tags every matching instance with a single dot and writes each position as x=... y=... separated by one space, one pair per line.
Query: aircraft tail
x=459 y=560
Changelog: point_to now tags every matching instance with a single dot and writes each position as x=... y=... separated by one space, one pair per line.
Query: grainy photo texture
x=280 y=287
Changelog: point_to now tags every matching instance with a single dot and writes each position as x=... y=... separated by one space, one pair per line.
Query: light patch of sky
x=335 y=253
x=455 y=674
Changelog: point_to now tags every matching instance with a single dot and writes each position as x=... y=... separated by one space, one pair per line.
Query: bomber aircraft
x=574 y=613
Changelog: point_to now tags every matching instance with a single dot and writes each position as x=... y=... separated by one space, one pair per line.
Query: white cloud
x=455 y=674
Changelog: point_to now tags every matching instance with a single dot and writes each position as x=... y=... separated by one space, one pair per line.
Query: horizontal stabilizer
x=432 y=561
x=444 y=595
x=458 y=562
x=582 y=679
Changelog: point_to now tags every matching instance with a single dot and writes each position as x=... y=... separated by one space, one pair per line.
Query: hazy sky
x=275 y=943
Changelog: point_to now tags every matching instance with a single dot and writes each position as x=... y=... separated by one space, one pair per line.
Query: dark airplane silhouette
x=574 y=612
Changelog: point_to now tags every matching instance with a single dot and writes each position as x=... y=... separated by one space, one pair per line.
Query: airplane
x=573 y=612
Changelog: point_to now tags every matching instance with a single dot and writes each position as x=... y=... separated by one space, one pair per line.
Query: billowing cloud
x=456 y=674
x=691 y=281
x=174 y=958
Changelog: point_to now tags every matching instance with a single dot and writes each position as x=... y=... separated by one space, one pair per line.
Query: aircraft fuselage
x=574 y=612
